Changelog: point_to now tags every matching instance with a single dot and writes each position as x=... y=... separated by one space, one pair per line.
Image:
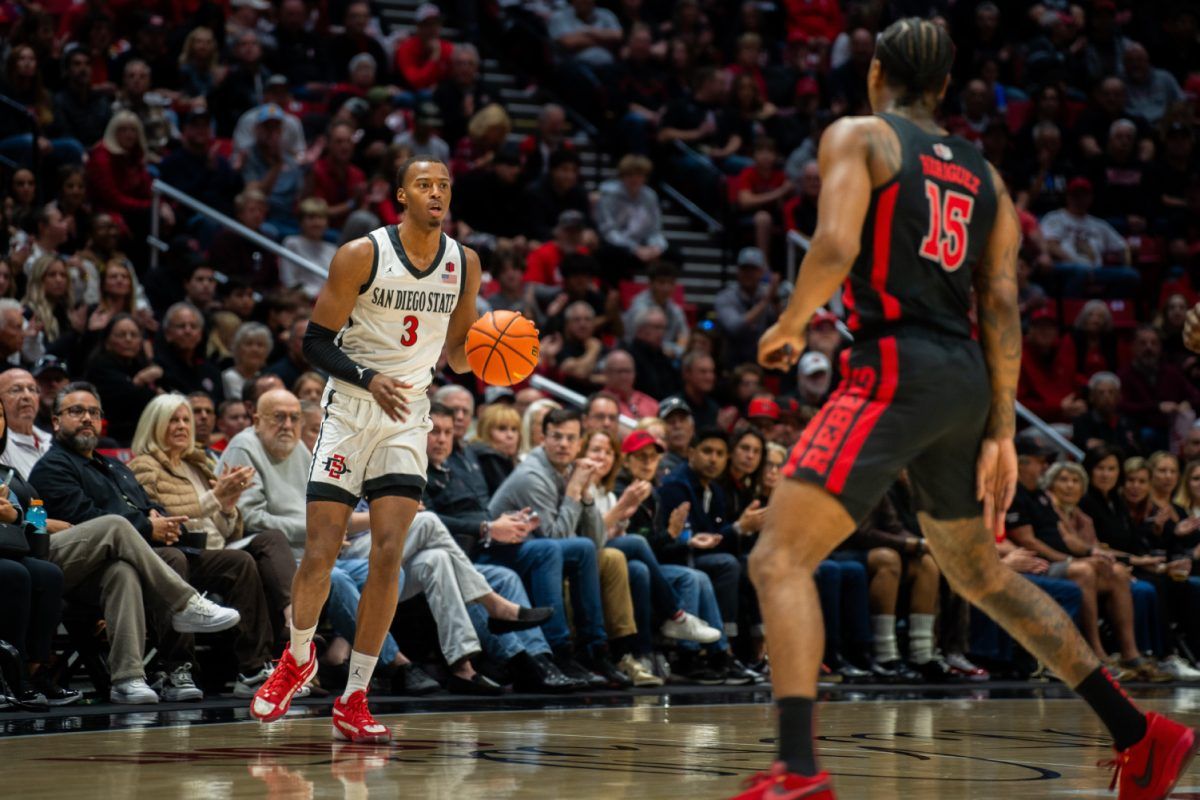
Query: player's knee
x=771 y=563
x=883 y=559
x=387 y=552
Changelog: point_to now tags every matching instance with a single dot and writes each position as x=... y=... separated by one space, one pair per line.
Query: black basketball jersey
x=924 y=234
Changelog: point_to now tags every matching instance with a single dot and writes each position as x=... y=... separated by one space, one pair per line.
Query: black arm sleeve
x=322 y=352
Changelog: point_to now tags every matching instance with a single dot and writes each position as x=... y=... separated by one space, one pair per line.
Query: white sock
x=301 y=639
x=884 y=626
x=920 y=638
x=361 y=667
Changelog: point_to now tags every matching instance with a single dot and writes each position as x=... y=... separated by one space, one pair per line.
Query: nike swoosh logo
x=1143 y=780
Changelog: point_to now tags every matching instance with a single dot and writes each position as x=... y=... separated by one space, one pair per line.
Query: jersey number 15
x=949 y=216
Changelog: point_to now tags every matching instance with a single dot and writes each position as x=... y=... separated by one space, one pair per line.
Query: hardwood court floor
x=952 y=748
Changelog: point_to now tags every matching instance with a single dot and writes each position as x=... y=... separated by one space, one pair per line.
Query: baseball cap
x=1079 y=185
x=1032 y=446
x=496 y=394
x=277 y=80
x=257 y=5
x=639 y=439
x=789 y=407
x=270 y=113
x=671 y=405
x=427 y=11
x=813 y=362
x=751 y=257
x=429 y=114
x=807 y=86
x=763 y=407
x=824 y=316
x=570 y=219
x=1043 y=314
x=48 y=364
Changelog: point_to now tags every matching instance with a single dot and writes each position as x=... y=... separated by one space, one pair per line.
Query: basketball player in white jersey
x=393 y=299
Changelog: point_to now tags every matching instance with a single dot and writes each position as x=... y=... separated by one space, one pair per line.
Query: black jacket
x=123 y=401
x=77 y=489
x=496 y=466
x=200 y=375
x=457 y=492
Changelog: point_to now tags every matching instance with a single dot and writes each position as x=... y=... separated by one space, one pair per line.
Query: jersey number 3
x=949 y=216
x=410 y=331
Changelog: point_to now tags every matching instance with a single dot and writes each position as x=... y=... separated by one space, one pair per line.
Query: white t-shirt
x=1086 y=239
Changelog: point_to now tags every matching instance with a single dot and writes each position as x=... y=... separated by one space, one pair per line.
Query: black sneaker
x=735 y=672
x=540 y=675
x=936 y=670
x=57 y=695
x=900 y=672
x=691 y=668
x=567 y=664
x=412 y=680
x=614 y=678
x=849 y=672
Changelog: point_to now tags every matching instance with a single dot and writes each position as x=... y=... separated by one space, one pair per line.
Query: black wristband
x=321 y=351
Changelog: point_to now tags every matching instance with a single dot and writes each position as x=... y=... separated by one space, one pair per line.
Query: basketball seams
x=487 y=335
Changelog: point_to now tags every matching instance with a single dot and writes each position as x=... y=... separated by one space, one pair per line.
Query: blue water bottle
x=36 y=516
x=686 y=534
x=39 y=542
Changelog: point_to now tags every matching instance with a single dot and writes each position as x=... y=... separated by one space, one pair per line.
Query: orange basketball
x=502 y=348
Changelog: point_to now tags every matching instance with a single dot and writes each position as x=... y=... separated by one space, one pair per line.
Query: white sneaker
x=177 y=686
x=1179 y=669
x=690 y=627
x=247 y=685
x=134 y=691
x=202 y=615
x=637 y=672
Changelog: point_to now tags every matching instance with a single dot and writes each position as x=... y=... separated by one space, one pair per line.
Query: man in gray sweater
x=556 y=486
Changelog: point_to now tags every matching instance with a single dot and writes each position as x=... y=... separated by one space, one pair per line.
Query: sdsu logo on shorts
x=336 y=467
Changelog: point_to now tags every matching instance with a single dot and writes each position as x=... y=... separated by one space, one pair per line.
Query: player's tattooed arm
x=999 y=313
x=464 y=315
x=883 y=148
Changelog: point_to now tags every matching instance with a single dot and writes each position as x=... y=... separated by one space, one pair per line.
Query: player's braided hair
x=916 y=55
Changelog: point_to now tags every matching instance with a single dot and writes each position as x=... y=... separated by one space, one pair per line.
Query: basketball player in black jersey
x=912 y=220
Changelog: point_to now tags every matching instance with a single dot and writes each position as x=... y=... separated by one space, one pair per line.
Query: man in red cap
x=763 y=413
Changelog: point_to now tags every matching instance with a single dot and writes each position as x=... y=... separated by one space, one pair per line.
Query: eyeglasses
x=280 y=417
x=79 y=412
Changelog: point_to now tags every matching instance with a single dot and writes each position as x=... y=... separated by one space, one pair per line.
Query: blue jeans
x=345 y=590
x=62 y=150
x=663 y=600
x=505 y=646
x=1081 y=280
x=696 y=596
x=1147 y=624
x=542 y=563
x=842 y=586
x=725 y=572
x=991 y=641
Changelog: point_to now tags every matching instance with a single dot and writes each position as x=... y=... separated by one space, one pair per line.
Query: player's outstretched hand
x=389 y=393
x=1191 y=329
x=780 y=347
x=996 y=481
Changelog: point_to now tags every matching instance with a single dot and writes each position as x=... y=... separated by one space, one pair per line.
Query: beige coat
x=173 y=489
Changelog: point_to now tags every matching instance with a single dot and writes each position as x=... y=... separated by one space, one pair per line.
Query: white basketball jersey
x=398 y=325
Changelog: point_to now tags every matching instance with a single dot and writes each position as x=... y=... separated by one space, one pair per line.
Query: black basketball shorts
x=915 y=401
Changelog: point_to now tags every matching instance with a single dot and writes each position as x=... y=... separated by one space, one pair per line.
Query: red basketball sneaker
x=352 y=721
x=1150 y=769
x=779 y=784
x=274 y=697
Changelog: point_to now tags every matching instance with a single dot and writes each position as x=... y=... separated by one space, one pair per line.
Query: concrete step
x=702 y=253
x=699 y=237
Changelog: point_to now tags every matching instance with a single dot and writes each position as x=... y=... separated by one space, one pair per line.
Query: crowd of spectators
x=166 y=377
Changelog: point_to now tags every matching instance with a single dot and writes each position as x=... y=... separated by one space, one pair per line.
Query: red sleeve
x=538 y=268
x=744 y=182
x=789 y=212
x=419 y=71
x=104 y=187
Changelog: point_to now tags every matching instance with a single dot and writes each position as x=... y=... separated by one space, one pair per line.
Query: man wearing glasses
x=80 y=486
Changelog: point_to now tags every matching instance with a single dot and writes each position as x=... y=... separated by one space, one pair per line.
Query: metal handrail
x=797 y=240
x=571 y=396
x=696 y=211
x=160 y=188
